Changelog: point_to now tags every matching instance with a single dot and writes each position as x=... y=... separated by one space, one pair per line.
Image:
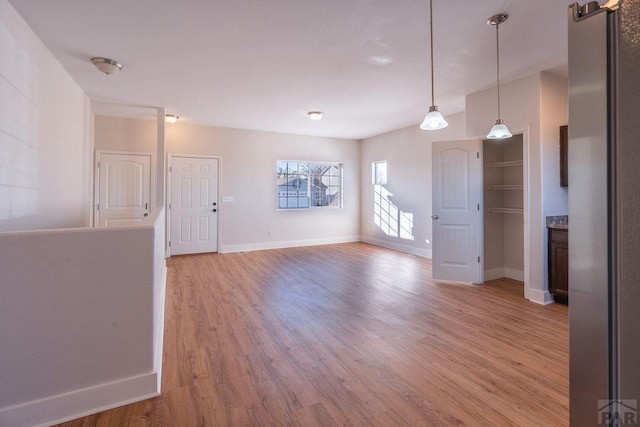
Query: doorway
x=123 y=188
x=193 y=204
x=503 y=187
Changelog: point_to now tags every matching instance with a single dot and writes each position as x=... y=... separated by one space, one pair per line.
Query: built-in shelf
x=505 y=187
x=505 y=164
x=507 y=210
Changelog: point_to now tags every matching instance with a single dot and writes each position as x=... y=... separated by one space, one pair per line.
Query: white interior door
x=124 y=189
x=193 y=205
x=456 y=211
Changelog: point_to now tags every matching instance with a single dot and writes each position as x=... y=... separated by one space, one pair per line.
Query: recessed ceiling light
x=315 y=115
x=106 y=65
x=171 y=118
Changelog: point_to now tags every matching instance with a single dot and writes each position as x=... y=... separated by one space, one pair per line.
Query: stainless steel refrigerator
x=604 y=212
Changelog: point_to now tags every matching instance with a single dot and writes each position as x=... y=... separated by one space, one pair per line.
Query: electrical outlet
x=270 y=233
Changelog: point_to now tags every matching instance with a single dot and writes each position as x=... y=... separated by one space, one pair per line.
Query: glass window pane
x=380 y=173
x=303 y=185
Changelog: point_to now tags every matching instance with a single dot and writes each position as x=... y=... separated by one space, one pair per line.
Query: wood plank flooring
x=353 y=335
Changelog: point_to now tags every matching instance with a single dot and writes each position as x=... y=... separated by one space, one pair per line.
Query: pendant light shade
x=433 y=120
x=499 y=130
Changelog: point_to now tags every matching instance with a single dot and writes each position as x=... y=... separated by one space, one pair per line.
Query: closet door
x=457 y=190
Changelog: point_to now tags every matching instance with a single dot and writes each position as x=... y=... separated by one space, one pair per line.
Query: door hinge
x=169 y=243
x=169 y=205
x=98 y=207
x=478 y=206
x=170 y=169
x=477 y=154
x=98 y=165
x=478 y=259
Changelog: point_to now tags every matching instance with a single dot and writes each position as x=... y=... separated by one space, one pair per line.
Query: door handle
x=146 y=206
x=146 y=214
x=435 y=216
x=215 y=210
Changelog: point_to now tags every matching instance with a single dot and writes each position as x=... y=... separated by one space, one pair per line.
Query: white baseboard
x=286 y=244
x=514 y=274
x=494 y=273
x=426 y=253
x=538 y=296
x=499 y=273
x=82 y=402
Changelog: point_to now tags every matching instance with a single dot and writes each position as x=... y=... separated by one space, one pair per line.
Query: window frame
x=309 y=192
x=374 y=177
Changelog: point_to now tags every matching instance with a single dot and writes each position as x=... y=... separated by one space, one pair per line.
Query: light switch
x=227 y=199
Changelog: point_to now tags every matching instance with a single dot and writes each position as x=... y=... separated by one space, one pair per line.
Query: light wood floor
x=349 y=334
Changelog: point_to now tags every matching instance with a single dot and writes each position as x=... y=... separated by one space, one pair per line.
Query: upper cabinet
x=564 y=156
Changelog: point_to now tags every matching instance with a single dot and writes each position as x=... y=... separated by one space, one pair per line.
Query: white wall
x=248 y=174
x=81 y=320
x=535 y=106
x=111 y=133
x=408 y=155
x=45 y=149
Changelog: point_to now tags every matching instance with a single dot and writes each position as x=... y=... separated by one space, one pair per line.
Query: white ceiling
x=262 y=64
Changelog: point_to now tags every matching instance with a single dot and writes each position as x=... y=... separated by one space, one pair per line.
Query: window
x=379 y=172
x=304 y=185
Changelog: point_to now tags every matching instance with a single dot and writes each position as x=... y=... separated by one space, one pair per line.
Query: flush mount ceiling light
x=315 y=115
x=499 y=130
x=171 y=118
x=433 y=119
x=106 y=65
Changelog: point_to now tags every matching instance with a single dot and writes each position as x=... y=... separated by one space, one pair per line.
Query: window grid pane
x=304 y=185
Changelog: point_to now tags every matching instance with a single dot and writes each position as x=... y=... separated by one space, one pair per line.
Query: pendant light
x=433 y=119
x=499 y=130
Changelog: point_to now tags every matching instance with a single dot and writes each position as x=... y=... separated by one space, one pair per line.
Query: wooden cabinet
x=559 y=264
x=564 y=156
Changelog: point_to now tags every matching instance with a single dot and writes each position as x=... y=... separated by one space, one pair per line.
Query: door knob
x=215 y=210
x=146 y=214
x=435 y=216
x=214 y=203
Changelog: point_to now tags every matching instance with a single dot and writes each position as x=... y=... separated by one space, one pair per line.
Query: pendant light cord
x=498 y=66
x=431 y=40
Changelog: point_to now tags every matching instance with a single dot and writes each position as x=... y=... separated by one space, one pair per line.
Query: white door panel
x=456 y=214
x=193 y=213
x=124 y=188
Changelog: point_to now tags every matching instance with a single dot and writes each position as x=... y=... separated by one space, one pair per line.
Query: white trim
x=169 y=172
x=480 y=212
x=82 y=402
x=425 y=253
x=494 y=273
x=499 y=273
x=89 y=170
x=514 y=274
x=287 y=244
x=539 y=297
x=527 y=225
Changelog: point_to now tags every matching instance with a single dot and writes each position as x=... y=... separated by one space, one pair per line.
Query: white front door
x=193 y=205
x=124 y=189
x=456 y=211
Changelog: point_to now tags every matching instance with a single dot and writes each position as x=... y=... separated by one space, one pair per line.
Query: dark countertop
x=560 y=222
